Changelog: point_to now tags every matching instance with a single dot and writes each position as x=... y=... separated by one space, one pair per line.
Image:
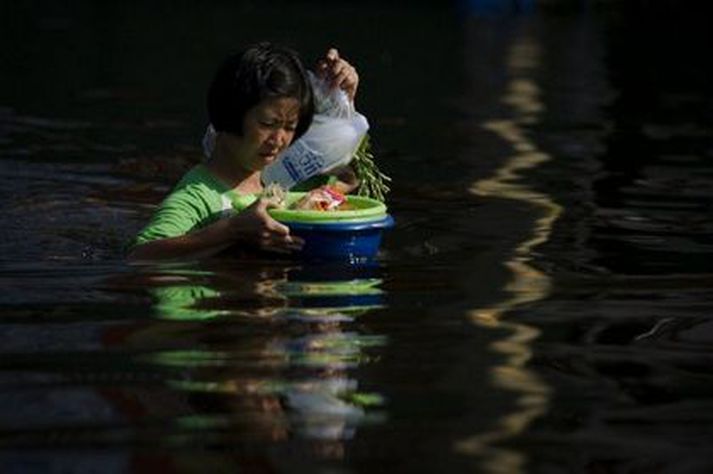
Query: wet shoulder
x=199 y=189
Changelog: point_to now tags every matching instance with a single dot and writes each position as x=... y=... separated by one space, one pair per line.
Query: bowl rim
x=385 y=222
x=369 y=210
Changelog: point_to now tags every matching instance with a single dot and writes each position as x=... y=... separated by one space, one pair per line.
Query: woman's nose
x=279 y=138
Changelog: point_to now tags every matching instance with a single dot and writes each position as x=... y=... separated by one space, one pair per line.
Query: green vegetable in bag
x=372 y=182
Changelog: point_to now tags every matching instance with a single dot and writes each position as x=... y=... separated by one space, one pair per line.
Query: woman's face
x=268 y=129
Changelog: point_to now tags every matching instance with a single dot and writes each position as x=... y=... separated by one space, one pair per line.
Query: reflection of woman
x=259 y=102
x=277 y=367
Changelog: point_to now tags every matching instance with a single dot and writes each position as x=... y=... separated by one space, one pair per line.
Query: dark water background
x=543 y=305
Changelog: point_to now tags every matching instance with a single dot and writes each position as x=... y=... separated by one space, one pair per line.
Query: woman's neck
x=224 y=163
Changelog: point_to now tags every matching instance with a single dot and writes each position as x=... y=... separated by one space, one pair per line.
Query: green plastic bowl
x=363 y=210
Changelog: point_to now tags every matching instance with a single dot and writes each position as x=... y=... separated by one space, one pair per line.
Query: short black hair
x=260 y=71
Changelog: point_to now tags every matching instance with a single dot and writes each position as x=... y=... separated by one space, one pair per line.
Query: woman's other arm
x=252 y=227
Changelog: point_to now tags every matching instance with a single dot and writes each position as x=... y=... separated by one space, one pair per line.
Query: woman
x=259 y=102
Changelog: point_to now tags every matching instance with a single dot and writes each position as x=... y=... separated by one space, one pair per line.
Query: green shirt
x=197 y=200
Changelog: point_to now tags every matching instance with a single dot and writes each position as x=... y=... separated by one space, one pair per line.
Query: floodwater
x=544 y=303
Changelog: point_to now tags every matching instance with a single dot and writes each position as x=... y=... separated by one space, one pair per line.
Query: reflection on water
x=528 y=284
x=201 y=368
x=298 y=372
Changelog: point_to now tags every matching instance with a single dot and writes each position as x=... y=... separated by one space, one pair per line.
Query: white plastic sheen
x=330 y=141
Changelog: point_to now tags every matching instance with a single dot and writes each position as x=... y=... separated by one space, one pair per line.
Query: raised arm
x=339 y=72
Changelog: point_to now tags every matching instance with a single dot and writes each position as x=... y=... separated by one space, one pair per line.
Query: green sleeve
x=178 y=214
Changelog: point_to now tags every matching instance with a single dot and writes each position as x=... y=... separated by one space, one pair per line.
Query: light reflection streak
x=528 y=284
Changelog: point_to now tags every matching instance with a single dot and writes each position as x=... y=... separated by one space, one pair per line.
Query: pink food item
x=323 y=198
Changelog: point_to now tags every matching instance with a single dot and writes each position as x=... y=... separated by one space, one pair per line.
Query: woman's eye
x=277 y=125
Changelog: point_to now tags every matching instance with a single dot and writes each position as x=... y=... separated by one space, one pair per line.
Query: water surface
x=543 y=304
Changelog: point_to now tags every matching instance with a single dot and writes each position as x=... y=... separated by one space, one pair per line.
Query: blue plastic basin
x=343 y=241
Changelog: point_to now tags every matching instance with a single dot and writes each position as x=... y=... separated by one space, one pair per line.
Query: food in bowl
x=324 y=198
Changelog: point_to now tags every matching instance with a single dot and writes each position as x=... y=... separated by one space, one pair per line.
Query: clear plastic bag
x=330 y=142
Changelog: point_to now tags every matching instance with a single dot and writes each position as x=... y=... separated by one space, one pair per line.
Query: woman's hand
x=255 y=227
x=339 y=73
x=347 y=180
